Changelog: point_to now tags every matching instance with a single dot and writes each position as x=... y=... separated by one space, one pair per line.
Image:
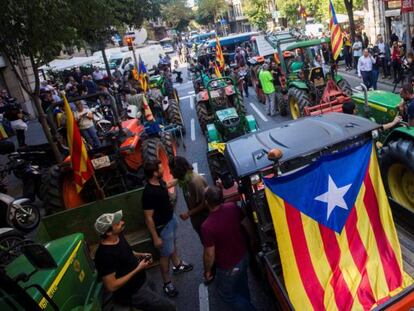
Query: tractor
x=309 y=85
x=117 y=163
x=222 y=117
x=395 y=146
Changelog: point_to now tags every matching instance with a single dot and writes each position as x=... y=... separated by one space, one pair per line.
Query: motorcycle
x=19 y=213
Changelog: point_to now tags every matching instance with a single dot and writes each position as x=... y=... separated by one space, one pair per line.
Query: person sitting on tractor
x=406 y=106
x=123 y=270
x=84 y=117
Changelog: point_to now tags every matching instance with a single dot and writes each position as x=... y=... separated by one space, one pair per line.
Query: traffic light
x=129 y=43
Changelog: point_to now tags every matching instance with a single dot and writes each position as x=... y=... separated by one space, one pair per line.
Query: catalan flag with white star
x=336 y=237
x=337 y=37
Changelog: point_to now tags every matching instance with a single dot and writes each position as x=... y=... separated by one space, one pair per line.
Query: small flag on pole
x=142 y=74
x=81 y=164
x=219 y=54
x=336 y=33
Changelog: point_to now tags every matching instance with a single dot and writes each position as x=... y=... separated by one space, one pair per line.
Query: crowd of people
x=221 y=226
x=369 y=60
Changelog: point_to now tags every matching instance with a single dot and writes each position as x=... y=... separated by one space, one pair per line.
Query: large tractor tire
x=397 y=168
x=241 y=108
x=345 y=87
x=60 y=191
x=202 y=116
x=174 y=114
x=298 y=100
x=281 y=104
x=168 y=141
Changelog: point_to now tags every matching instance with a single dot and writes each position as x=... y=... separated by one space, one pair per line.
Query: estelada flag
x=337 y=37
x=219 y=54
x=335 y=233
x=142 y=74
x=81 y=164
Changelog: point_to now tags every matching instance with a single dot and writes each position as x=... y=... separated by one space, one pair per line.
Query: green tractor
x=310 y=88
x=395 y=146
x=222 y=117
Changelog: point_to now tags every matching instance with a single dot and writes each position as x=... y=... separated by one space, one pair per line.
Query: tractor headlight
x=375 y=134
x=255 y=179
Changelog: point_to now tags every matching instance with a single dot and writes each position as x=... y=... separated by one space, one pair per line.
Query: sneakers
x=170 y=289
x=182 y=267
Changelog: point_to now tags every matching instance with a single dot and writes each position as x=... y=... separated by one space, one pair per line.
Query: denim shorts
x=168 y=236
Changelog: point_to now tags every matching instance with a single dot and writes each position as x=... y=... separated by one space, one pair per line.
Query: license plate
x=101 y=162
x=215 y=94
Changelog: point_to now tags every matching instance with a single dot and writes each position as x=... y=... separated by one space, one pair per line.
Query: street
x=193 y=294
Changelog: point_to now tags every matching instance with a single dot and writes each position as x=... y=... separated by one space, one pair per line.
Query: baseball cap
x=105 y=221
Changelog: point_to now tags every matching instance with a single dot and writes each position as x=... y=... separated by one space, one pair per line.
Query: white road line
x=203 y=297
x=191 y=92
x=192 y=130
x=185 y=97
x=195 y=167
x=259 y=113
x=356 y=90
x=192 y=102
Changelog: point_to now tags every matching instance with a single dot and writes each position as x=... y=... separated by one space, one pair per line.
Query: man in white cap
x=122 y=270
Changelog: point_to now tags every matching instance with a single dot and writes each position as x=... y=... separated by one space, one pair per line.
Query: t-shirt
x=194 y=195
x=156 y=198
x=410 y=109
x=357 y=49
x=266 y=80
x=223 y=230
x=119 y=259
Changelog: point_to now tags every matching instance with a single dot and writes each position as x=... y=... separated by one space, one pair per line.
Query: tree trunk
x=349 y=9
x=105 y=59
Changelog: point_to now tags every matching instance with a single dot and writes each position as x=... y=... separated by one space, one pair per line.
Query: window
x=391 y=5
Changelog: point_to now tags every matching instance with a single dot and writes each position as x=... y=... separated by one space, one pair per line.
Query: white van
x=149 y=55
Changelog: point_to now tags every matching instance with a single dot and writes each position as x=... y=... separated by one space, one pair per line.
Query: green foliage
x=208 y=11
x=317 y=9
x=257 y=13
x=176 y=14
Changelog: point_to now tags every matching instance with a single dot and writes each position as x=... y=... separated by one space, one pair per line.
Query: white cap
x=105 y=221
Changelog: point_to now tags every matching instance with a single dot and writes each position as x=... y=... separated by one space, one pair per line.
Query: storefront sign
x=406 y=6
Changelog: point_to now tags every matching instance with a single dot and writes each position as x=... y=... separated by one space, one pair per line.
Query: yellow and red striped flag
x=337 y=240
x=337 y=37
x=219 y=54
x=142 y=74
x=217 y=71
x=81 y=164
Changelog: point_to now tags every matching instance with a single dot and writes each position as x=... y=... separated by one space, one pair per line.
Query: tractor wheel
x=176 y=97
x=281 y=104
x=397 y=168
x=169 y=144
x=202 y=115
x=60 y=191
x=241 y=108
x=174 y=114
x=298 y=100
x=345 y=87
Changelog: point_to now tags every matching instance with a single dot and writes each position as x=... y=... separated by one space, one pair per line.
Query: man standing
x=357 y=52
x=225 y=244
x=365 y=64
x=384 y=54
x=193 y=186
x=122 y=270
x=266 y=80
x=161 y=223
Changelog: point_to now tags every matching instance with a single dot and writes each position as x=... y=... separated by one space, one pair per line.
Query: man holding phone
x=122 y=270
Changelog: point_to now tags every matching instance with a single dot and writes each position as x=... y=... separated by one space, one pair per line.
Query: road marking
x=191 y=92
x=354 y=89
x=192 y=130
x=203 y=297
x=192 y=102
x=185 y=97
x=259 y=113
x=195 y=167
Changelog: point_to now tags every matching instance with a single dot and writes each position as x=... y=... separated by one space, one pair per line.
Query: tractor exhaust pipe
x=366 y=107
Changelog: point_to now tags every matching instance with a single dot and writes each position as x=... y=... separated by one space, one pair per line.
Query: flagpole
x=101 y=193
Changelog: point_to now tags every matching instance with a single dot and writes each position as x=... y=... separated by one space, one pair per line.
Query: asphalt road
x=193 y=295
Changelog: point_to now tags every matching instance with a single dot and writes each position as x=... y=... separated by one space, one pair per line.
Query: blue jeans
x=367 y=78
x=374 y=78
x=233 y=287
x=91 y=137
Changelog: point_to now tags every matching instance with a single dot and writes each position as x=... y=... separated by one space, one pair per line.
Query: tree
x=209 y=11
x=350 y=8
x=37 y=30
x=257 y=13
x=176 y=14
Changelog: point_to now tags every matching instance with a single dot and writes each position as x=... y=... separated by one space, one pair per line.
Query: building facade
x=237 y=22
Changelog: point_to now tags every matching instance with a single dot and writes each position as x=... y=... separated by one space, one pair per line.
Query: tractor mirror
x=39 y=256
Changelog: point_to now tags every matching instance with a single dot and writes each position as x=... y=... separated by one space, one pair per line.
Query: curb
x=380 y=80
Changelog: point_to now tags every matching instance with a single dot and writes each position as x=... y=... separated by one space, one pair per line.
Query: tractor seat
x=316 y=76
x=231 y=122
